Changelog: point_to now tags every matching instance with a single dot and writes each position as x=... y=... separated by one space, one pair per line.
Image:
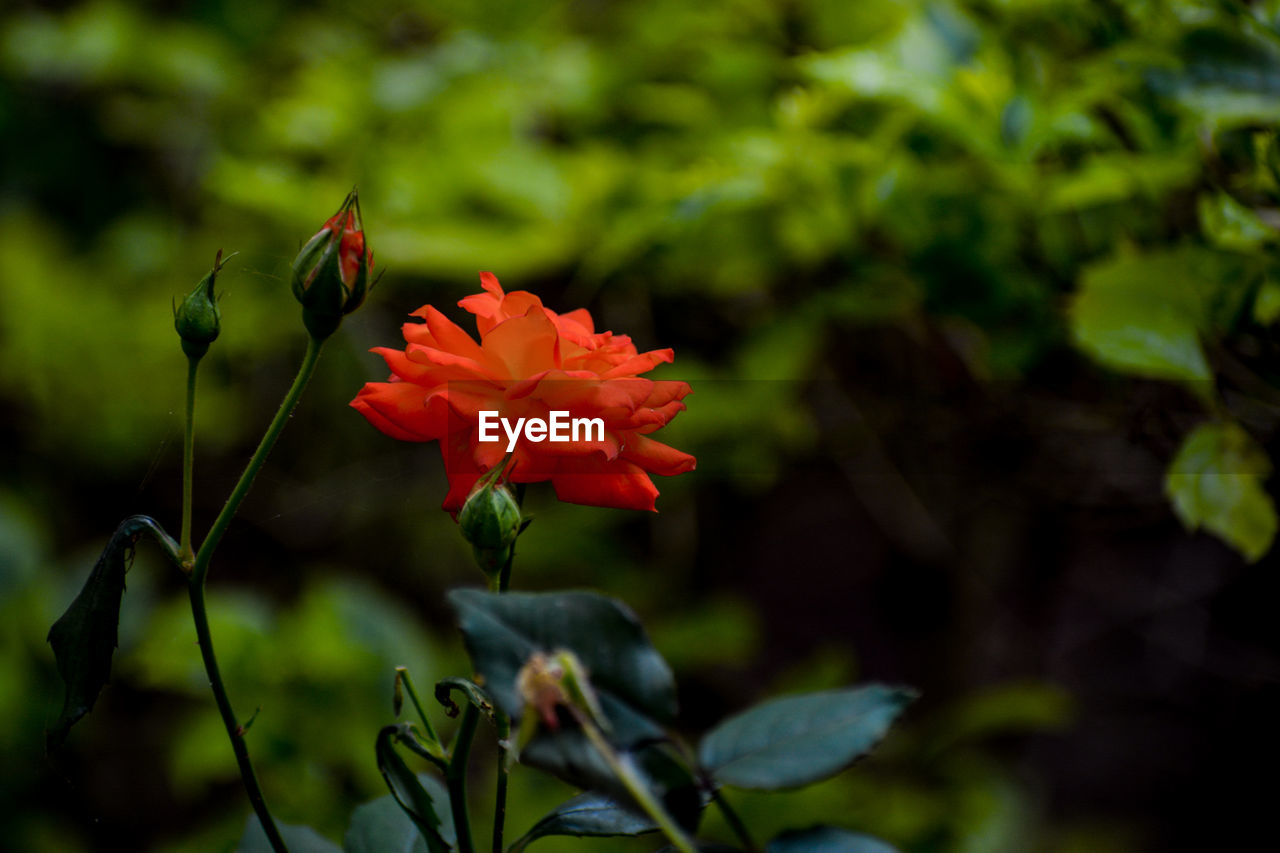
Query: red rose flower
x=530 y=362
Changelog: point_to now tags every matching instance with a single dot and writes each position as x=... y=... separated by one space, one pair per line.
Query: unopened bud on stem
x=331 y=272
x=197 y=319
x=490 y=521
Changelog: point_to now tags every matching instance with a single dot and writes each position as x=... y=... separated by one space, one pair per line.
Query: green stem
x=234 y=731
x=256 y=461
x=200 y=571
x=186 y=556
x=635 y=786
x=457 y=778
x=413 y=697
x=500 y=793
x=735 y=823
x=502 y=721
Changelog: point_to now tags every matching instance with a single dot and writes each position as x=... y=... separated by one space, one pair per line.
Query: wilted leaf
x=381 y=826
x=470 y=691
x=409 y=792
x=85 y=636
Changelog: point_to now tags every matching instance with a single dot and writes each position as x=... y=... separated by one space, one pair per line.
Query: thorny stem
x=200 y=572
x=234 y=730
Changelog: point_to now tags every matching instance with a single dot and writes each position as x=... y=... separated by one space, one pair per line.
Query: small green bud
x=490 y=521
x=197 y=319
x=331 y=272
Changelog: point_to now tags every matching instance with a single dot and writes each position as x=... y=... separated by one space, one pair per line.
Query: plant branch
x=186 y=556
x=735 y=823
x=238 y=494
x=200 y=572
x=626 y=773
x=501 y=720
x=403 y=674
x=234 y=730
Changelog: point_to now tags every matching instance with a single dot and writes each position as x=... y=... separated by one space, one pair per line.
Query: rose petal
x=656 y=457
x=640 y=363
x=449 y=335
x=525 y=345
x=617 y=484
x=403 y=410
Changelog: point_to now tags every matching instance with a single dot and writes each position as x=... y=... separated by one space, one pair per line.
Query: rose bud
x=197 y=319
x=490 y=521
x=547 y=684
x=331 y=273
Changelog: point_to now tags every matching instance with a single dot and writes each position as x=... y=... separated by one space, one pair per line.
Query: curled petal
x=640 y=363
x=447 y=335
x=401 y=411
x=577 y=323
x=619 y=484
x=656 y=457
x=453 y=366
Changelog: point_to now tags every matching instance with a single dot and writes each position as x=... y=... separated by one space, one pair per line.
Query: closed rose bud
x=331 y=273
x=197 y=319
x=490 y=521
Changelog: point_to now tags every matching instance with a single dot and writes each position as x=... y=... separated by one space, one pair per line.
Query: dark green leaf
x=84 y=637
x=796 y=740
x=705 y=847
x=632 y=680
x=299 y=839
x=1216 y=480
x=409 y=792
x=827 y=839
x=381 y=826
x=569 y=755
x=588 y=814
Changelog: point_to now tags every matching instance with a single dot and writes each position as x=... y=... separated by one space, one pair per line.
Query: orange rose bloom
x=530 y=361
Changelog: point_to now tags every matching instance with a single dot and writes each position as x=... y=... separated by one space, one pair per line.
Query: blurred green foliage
x=757 y=183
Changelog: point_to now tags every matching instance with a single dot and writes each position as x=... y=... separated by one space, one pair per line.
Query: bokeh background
x=863 y=228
